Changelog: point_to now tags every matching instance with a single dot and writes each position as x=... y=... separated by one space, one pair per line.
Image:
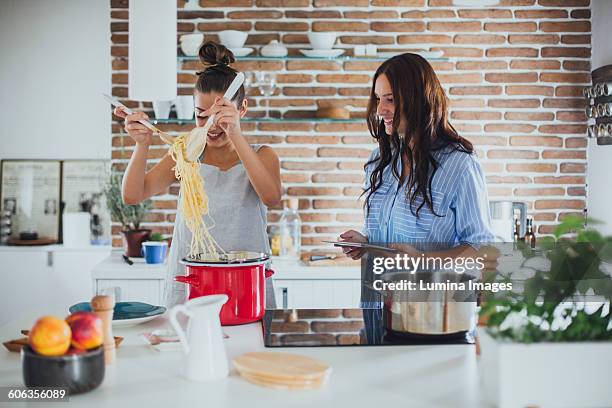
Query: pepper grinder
x=104 y=305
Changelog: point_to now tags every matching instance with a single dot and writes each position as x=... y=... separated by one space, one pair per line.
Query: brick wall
x=324 y=326
x=514 y=78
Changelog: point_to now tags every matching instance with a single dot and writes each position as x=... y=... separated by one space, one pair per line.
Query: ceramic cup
x=154 y=252
x=184 y=107
x=190 y=43
x=162 y=109
x=322 y=41
x=233 y=38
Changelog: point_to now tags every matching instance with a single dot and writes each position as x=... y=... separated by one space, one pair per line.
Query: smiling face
x=216 y=136
x=385 y=104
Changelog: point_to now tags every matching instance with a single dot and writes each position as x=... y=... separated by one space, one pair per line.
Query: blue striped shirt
x=459 y=197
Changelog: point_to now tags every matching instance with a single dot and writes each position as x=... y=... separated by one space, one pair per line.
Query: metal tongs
x=196 y=141
x=163 y=135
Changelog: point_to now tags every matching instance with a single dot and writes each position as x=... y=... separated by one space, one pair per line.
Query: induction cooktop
x=343 y=327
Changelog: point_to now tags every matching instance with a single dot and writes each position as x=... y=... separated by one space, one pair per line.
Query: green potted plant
x=548 y=342
x=130 y=216
x=156 y=237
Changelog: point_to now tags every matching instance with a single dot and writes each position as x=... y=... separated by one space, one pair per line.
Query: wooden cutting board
x=282 y=368
x=282 y=385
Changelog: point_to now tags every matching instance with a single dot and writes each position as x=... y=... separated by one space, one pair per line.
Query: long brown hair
x=420 y=100
x=218 y=75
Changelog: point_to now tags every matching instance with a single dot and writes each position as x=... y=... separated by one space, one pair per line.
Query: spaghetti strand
x=193 y=203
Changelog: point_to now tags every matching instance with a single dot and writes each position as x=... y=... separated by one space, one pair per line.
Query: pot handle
x=189 y=280
x=269 y=272
x=177 y=327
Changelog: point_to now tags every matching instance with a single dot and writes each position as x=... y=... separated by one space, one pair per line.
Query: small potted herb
x=130 y=216
x=156 y=236
x=549 y=341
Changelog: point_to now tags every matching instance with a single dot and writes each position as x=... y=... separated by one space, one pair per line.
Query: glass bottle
x=290 y=230
x=517 y=229
x=529 y=235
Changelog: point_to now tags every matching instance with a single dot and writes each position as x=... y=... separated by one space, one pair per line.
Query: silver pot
x=438 y=311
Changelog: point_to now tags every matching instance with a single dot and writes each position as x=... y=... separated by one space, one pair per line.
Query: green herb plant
x=130 y=216
x=566 y=301
x=156 y=236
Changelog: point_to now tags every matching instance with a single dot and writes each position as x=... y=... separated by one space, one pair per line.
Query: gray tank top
x=237 y=216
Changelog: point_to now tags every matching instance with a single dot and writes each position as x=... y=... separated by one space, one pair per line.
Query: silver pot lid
x=227 y=258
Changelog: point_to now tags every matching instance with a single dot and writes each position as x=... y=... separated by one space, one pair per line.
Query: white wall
x=55 y=63
x=599 y=193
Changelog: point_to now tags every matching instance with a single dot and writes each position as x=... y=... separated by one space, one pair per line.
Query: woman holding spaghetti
x=241 y=180
x=425 y=191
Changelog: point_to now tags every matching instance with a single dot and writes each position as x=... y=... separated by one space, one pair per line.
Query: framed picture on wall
x=31 y=193
x=83 y=183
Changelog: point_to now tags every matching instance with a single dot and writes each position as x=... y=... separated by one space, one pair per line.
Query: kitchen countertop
x=53 y=248
x=114 y=266
x=419 y=376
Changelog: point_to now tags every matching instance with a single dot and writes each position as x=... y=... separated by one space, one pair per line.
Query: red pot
x=243 y=281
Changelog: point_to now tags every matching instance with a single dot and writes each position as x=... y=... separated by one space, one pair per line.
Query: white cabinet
x=139 y=282
x=46 y=277
x=297 y=285
x=317 y=293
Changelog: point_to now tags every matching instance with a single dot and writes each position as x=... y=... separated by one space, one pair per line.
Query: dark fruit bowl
x=77 y=373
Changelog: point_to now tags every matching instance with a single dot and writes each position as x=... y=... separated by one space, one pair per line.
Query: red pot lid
x=228 y=258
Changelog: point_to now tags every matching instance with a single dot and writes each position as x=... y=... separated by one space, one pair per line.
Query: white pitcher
x=205 y=357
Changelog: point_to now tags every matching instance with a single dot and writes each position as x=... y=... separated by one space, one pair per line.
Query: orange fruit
x=50 y=336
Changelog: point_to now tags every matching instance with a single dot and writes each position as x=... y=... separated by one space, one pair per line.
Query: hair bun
x=212 y=53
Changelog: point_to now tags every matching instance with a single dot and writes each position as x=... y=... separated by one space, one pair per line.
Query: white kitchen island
x=372 y=376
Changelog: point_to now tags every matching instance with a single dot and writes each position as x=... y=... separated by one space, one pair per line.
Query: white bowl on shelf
x=241 y=52
x=322 y=53
x=190 y=48
x=233 y=38
x=322 y=41
x=197 y=37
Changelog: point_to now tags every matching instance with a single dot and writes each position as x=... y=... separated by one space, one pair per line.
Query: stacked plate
x=126 y=313
x=282 y=370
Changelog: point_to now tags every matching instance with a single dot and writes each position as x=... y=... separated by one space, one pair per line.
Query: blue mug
x=154 y=252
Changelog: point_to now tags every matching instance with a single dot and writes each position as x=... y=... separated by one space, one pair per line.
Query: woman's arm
x=138 y=184
x=263 y=169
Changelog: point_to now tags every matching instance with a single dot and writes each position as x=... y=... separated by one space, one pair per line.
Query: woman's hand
x=141 y=134
x=353 y=236
x=227 y=117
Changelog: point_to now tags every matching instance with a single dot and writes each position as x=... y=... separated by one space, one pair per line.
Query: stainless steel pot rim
x=230 y=258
